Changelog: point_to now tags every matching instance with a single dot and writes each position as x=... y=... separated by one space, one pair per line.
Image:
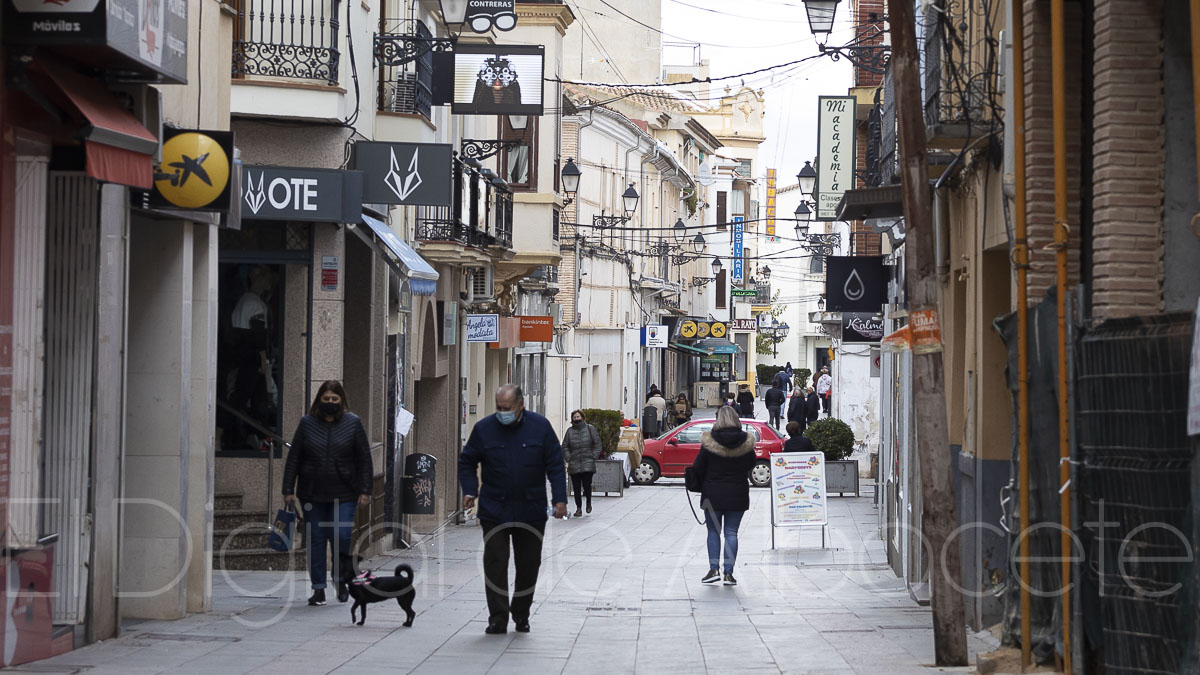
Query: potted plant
x=835 y=438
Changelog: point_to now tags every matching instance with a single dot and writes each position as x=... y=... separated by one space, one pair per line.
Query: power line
x=694 y=80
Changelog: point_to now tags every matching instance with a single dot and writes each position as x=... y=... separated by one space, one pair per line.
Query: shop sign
x=656 y=336
x=483 y=327
x=926 y=331
x=411 y=174
x=510 y=333
x=688 y=329
x=483 y=15
x=195 y=171
x=743 y=324
x=150 y=34
x=835 y=152
x=739 y=228
x=702 y=329
x=899 y=340
x=537 y=329
x=744 y=293
x=290 y=193
x=329 y=273
x=718 y=329
x=498 y=79
x=771 y=202
x=861 y=327
x=855 y=283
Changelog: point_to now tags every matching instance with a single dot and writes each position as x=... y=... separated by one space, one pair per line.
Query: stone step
x=246 y=539
x=227 y=501
x=231 y=519
x=260 y=559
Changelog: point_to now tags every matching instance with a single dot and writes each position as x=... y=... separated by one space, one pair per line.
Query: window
x=722 y=210
x=744 y=169
x=722 y=291
x=692 y=434
x=518 y=166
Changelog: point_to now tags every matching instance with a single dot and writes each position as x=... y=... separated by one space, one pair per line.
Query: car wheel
x=760 y=475
x=646 y=472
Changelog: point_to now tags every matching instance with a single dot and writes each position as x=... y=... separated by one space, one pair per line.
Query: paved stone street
x=620 y=591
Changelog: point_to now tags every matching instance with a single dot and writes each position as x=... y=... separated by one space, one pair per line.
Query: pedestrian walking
x=327 y=475
x=731 y=400
x=722 y=467
x=653 y=391
x=788 y=370
x=825 y=389
x=812 y=406
x=745 y=399
x=797 y=441
x=518 y=451
x=659 y=402
x=681 y=410
x=581 y=448
x=774 y=400
x=796 y=410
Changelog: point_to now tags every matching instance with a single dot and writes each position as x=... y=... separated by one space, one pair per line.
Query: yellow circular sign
x=703 y=330
x=194 y=170
x=718 y=330
x=688 y=329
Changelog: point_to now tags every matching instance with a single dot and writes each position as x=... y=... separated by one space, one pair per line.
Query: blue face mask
x=506 y=417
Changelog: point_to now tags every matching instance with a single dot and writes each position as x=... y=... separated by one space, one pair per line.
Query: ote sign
x=412 y=174
x=289 y=193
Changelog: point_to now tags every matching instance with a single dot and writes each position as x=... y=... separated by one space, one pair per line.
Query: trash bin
x=420 y=471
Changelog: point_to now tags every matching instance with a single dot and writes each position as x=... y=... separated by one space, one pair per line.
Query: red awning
x=119 y=149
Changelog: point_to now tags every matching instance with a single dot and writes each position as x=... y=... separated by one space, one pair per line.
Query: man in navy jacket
x=518 y=451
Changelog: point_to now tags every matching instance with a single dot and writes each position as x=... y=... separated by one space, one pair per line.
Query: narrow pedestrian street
x=619 y=592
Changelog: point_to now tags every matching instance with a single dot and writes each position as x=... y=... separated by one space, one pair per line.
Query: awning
x=874 y=202
x=119 y=148
x=422 y=278
x=718 y=346
x=687 y=349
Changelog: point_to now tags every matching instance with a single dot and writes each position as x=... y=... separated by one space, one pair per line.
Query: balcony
x=294 y=39
x=961 y=94
x=405 y=62
x=477 y=227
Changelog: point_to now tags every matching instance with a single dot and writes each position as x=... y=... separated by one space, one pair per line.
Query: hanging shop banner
x=195 y=172
x=899 y=340
x=855 y=283
x=129 y=35
x=291 y=193
x=656 y=336
x=835 y=152
x=771 y=202
x=411 y=174
x=798 y=489
x=718 y=329
x=926 y=331
x=743 y=325
x=483 y=327
x=510 y=333
x=688 y=329
x=498 y=79
x=484 y=15
x=862 y=327
x=739 y=229
x=537 y=329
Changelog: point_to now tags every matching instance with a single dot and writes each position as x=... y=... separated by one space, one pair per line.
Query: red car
x=669 y=454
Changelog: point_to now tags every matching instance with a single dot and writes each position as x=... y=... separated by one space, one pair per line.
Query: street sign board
x=656 y=336
x=835 y=152
x=798 y=489
x=483 y=327
x=743 y=324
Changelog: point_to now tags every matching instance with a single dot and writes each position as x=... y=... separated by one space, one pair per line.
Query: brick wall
x=1129 y=158
x=863 y=11
x=1039 y=144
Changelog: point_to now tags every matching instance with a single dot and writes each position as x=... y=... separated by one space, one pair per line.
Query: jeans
x=716 y=521
x=327 y=523
x=527 y=556
x=774 y=415
x=582 y=485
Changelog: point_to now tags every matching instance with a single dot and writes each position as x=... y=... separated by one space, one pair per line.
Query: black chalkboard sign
x=420 y=471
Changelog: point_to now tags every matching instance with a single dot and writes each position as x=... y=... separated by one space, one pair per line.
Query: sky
x=737 y=37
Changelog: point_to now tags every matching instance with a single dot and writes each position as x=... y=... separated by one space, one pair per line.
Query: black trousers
x=773 y=411
x=582 y=483
x=526 y=544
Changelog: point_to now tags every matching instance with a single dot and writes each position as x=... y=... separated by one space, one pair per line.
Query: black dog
x=367 y=588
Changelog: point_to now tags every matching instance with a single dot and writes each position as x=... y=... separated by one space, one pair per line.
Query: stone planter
x=609 y=477
x=841 y=476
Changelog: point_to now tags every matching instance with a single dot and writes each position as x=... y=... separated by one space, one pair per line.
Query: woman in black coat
x=745 y=399
x=331 y=459
x=723 y=469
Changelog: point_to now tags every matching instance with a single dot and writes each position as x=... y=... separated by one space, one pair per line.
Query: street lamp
x=454 y=12
x=803 y=213
x=873 y=58
x=570 y=180
x=807 y=178
x=801 y=230
x=680 y=231
x=766 y=272
x=716 y=266
x=630 y=197
x=820 y=18
x=778 y=332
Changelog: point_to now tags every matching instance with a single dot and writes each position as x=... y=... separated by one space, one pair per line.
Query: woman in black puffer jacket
x=723 y=468
x=332 y=460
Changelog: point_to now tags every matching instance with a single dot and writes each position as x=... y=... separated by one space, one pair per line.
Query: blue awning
x=422 y=278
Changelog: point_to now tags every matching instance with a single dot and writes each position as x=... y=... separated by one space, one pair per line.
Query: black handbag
x=692 y=481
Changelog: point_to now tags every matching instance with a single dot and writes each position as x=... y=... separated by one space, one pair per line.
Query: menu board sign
x=798 y=489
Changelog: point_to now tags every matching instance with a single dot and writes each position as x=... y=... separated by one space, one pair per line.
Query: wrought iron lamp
x=872 y=58
x=778 y=332
x=630 y=199
x=807 y=178
x=820 y=245
x=570 y=180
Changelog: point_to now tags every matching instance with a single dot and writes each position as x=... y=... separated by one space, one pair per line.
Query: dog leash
x=688 y=495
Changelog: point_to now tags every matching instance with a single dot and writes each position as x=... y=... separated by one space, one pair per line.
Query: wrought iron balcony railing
x=405 y=77
x=287 y=38
x=481 y=215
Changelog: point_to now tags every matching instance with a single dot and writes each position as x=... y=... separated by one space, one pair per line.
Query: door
x=681 y=449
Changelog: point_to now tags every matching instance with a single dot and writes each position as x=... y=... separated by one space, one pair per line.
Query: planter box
x=609 y=477
x=841 y=477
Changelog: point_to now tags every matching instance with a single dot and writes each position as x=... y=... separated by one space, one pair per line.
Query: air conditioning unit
x=482 y=284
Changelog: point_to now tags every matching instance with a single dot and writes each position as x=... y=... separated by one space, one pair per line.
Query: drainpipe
x=1020 y=259
x=1061 y=239
x=941 y=234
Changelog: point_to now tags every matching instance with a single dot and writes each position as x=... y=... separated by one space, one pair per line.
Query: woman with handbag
x=581 y=448
x=331 y=460
x=722 y=469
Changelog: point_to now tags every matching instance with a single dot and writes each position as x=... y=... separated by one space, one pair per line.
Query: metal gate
x=70 y=316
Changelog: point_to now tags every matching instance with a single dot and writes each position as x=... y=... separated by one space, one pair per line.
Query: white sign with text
x=483 y=328
x=835 y=152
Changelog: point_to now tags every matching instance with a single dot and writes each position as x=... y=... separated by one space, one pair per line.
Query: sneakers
x=711 y=578
x=729 y=580
x=317 y=598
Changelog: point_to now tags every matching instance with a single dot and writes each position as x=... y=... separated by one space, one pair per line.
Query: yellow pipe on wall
x=1061 y=237
x=1021 y=263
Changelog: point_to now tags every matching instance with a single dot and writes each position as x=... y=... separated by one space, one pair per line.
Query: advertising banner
x=855 y=283
x=739 y=230
x=862 y=327
x=926 y=331
x=292 y=193
x=483 y=327
x=196 y=170
x=484 y=15
x=411 y=174
x=798 y=489
x=537 y=329
x=656 y=336
x=498 y=79
x=770 y=203
x=835 y=152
